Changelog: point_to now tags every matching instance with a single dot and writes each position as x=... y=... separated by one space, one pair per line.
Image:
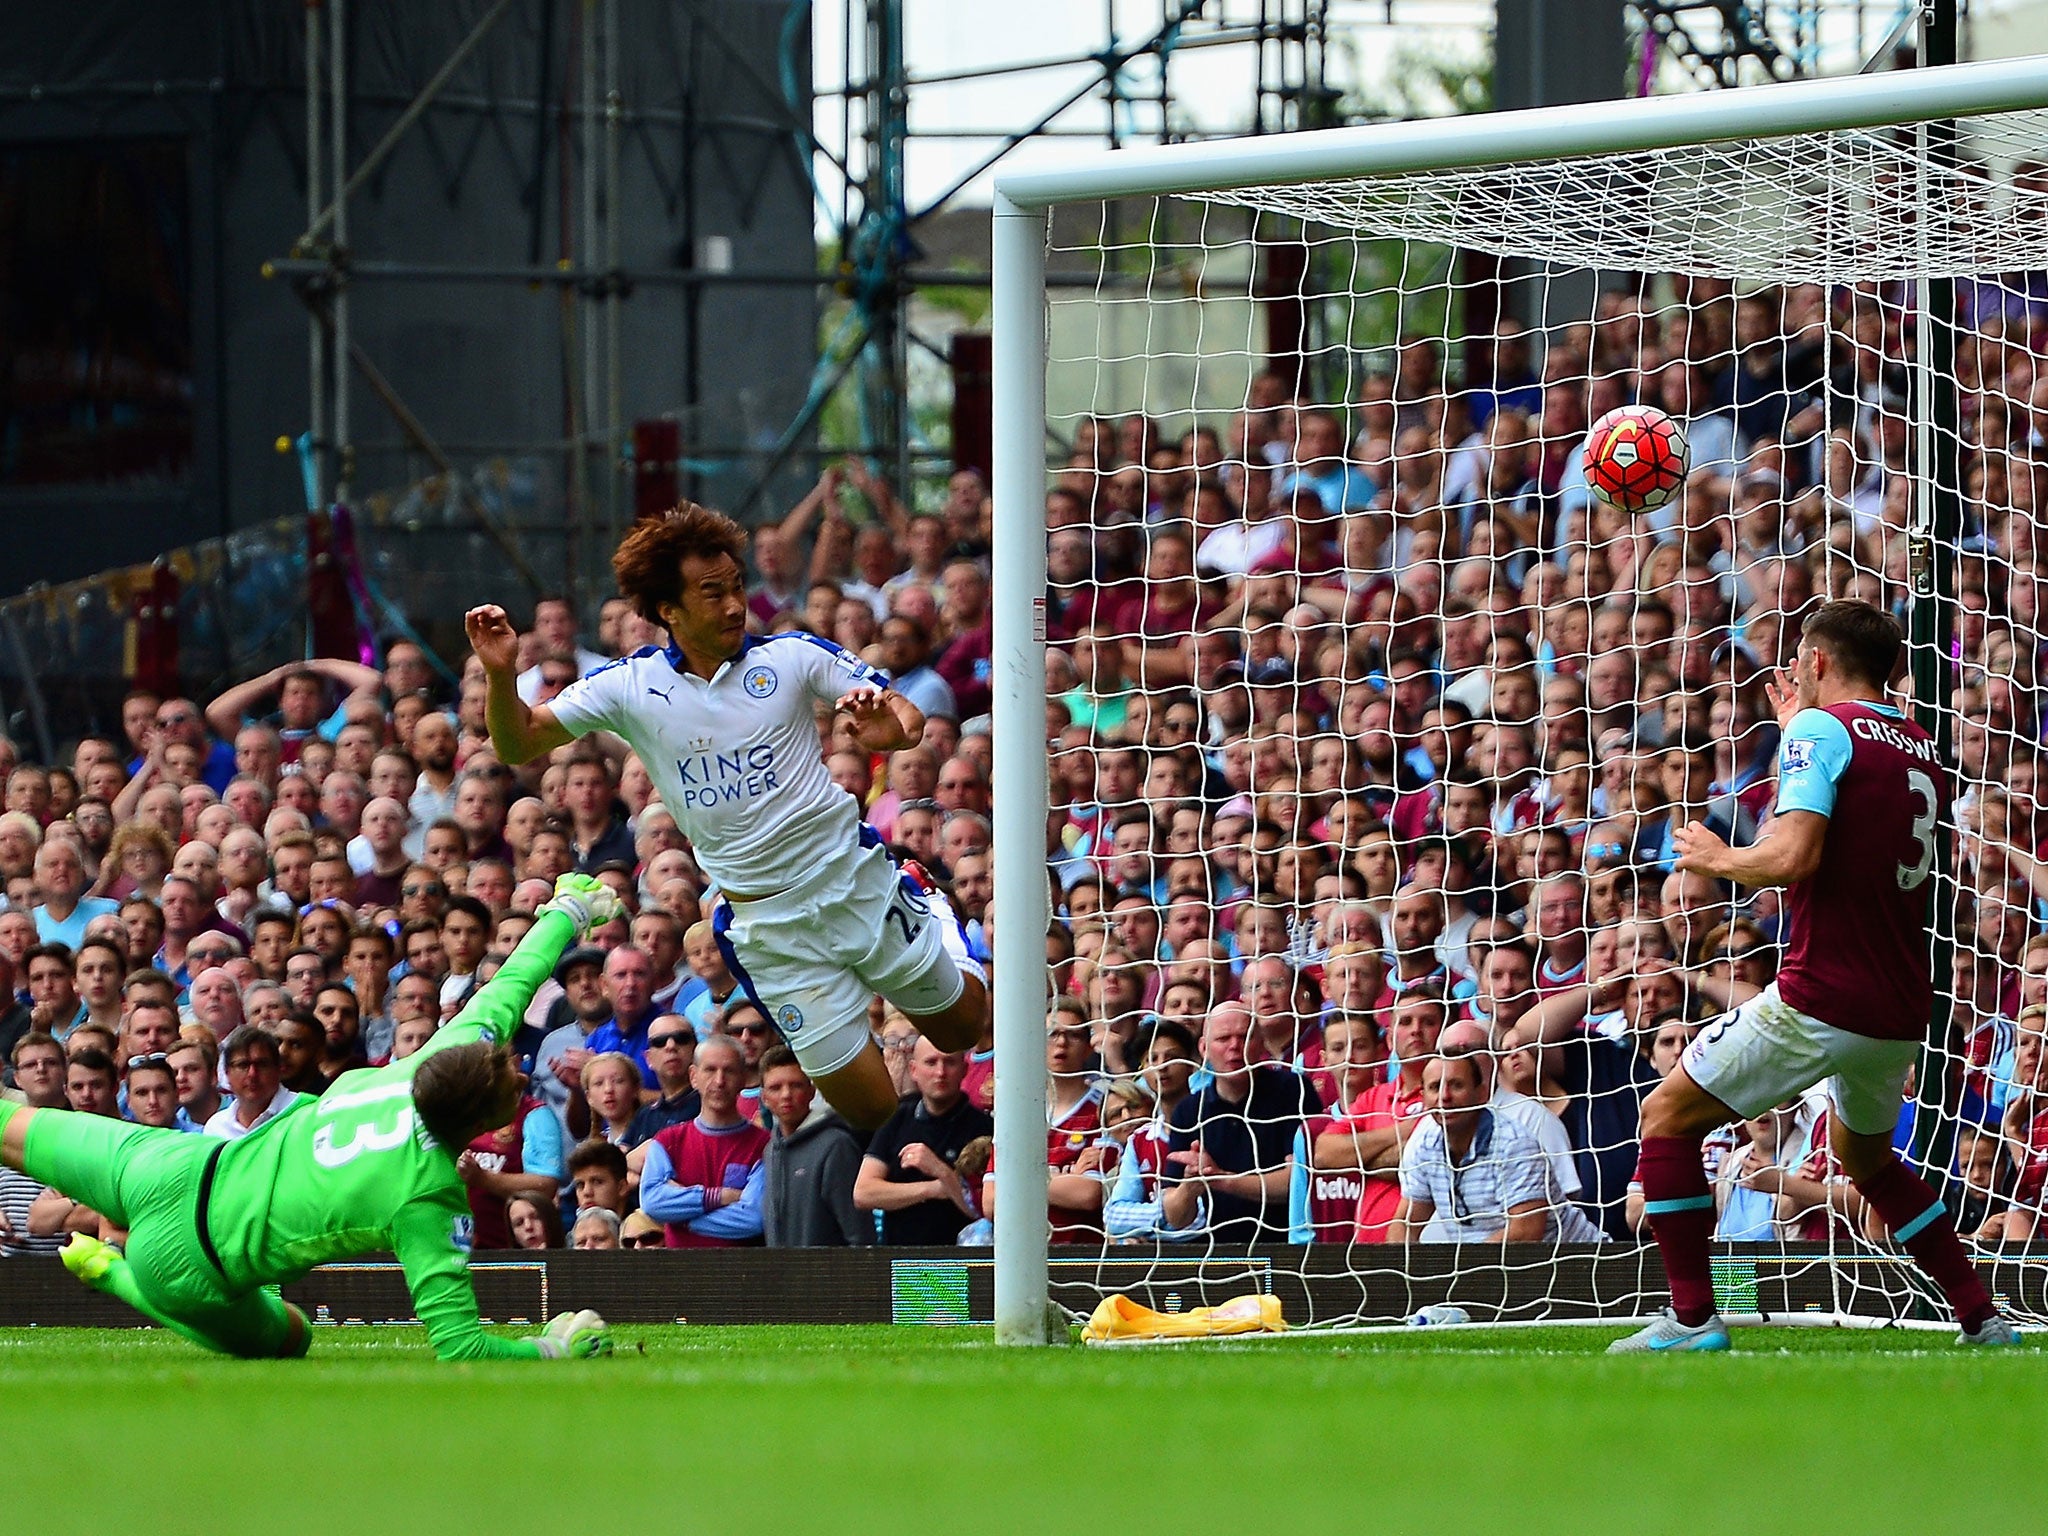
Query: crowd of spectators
x=216 y=913
x=1368 y=727
x=1372 y=727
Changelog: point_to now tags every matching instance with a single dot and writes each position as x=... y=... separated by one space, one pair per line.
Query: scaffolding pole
x=590 y=115
x=874 y=221
x=337 y=147
x=318 y=428
x=614 y=295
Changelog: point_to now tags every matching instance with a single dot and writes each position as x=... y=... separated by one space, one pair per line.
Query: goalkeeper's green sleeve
x=443 y=1295
x=494 y=1012
x=437 y=1274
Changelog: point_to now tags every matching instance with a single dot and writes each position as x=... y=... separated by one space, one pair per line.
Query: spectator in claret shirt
x=1348 y=1197
x=1073 y=1118
x=1166 y=613
x=964 y=662
x=1559 y=905
x=704 y=1178
x=1414 y=929
x=1285 y=1003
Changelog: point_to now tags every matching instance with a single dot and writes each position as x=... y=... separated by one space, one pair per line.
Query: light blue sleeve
x=741 y=1219
x=1300 y=1229
x=661 y=1196
x=1811 y=761
x=540 y=1146
x=1126 y=1212
x=2003 y=1078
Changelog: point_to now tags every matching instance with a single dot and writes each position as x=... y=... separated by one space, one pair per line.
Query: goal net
x=1370 y=726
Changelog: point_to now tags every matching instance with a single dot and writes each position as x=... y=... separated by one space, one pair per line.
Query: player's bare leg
x=1675 y=1120
x=861 y=1091
x=959 y=1027
x=1920 y=1224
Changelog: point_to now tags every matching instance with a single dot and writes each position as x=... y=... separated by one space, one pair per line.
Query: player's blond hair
x=464 y=1091
x=617 y=1059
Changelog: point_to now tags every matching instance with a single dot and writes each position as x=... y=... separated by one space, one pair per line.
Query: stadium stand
x=1369 y=732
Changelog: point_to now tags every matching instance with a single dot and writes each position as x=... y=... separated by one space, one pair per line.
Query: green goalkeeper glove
x=586 y=900
x=575 y=1336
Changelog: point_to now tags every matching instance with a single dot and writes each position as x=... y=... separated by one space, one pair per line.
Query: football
x=1635 y=458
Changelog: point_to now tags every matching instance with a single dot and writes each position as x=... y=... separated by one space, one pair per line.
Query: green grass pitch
x=911 y=1429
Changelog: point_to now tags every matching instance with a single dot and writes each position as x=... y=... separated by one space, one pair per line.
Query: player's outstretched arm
x=520 y=732
x=423 y=1236
x=883 y=720
x=581 y=903
x=423 y=1239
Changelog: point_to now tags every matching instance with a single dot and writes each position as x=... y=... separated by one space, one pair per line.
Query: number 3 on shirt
x=1910 y=875
x=368 y=1137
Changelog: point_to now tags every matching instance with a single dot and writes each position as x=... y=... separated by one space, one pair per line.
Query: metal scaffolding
x=1720 y=43
x=1126 y=90
x=1126 y=85
x=323 y=268
x=867 y=221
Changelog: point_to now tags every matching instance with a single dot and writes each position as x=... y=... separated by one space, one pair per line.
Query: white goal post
x=1264 y=167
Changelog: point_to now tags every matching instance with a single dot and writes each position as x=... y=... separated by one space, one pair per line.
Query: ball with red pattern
x=1635 y=458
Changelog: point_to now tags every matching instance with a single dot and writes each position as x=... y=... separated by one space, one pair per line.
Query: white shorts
x=813 y=956
x=1766 y=1052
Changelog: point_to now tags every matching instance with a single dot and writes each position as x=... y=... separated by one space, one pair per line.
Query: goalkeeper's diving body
x=215 y=1226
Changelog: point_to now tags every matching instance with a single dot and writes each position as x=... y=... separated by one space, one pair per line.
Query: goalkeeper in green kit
x=369 y=1167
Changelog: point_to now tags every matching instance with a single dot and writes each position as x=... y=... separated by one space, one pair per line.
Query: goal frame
x=1022 y=208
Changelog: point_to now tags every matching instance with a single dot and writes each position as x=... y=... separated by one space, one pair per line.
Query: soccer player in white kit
x=813 y=915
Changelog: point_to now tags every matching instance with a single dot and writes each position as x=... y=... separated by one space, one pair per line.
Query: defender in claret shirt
x=215 y=1226
x=1860 y=792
